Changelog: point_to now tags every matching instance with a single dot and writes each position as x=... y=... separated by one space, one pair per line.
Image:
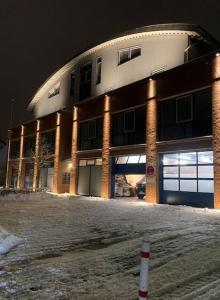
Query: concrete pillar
x=151 y=149
x=57 y=155
x=36 y=158
x=20 y=183
x=74 y=167
x=9 y=170
x=106 y=158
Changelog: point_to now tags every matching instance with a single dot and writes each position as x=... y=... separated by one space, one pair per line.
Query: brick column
x=9 y=170
x=151 y=149
x=36 y=159
x=57 y=155
x=106 y=159
x=20 y=183
x=74 y=167
x=216 y=128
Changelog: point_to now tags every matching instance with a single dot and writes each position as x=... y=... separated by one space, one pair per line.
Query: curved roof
x=137 y=31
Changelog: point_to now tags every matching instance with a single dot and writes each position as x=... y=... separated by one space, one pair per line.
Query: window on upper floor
x=129 y=127
x=186 y=117
x=72 y=83
x=92 y=129
x=127 y=54
x=184 y=109
x=129 y=121
x=98 y=69
x=15 y=149
x=54 y=91
x=90 y=134
x=85 y=82
x=29 y=146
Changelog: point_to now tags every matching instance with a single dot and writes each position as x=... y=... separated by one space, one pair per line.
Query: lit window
x=129 y=121
x=98 y=161
x=205 y=172
x=184 y=109
x=127 y=54
x=82 y=163
x=188 y=158
x=133 y=159
x=171 y=172
x=170 y=185
x=122 y=160
x=206 y=186
x=188 y=172
x=98 y=70
x=90 y=162
x=171 y=159
x=142 y=159
x=188 y=185
x=205 y=157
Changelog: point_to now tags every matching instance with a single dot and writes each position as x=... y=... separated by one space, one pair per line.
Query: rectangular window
x=171 y=159
x=135 y=52
x=85 y=82
x=206 y=186
x=142 y=159
x=171 y=172
x=98 y=70
x=184 y=109
x=188 y=185
x=188 y=172
x=127 y=54
x=205 y=172
x=66 y=178
x=205 y=157
x=170 y=185
x=123 y=56
x=72 y=83
x=133 y=159
x=122 y=160
x=54 y=91
x=193 y=171
x=129 y=121
x=188 y=158
x=92 y=129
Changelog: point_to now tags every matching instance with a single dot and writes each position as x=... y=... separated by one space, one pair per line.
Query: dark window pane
x=123 y=56
x=135 y=52
x=92 y=129
x=15 y=149
x=72 y=86
x=184 y=108
x=129 y=121
x=85 y=82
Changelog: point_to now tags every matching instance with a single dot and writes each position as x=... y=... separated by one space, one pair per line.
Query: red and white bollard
x=145 y=253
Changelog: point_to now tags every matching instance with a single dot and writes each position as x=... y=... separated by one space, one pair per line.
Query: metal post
x=145 y=253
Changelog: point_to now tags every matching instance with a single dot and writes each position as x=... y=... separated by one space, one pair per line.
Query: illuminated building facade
x=140 y=112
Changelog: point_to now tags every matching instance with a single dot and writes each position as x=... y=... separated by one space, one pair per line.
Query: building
x=142 y=109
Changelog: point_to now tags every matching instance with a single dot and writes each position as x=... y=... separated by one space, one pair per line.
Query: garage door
x=186 y=178
x=89 y=177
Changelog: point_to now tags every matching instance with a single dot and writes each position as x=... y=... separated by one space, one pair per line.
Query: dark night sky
x=39 y=36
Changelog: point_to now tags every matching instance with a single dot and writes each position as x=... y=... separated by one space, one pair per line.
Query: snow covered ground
x=83 y=248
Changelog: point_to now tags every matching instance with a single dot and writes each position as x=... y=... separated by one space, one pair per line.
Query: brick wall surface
x=216 y=140
x=106 y=159
x=151 y=139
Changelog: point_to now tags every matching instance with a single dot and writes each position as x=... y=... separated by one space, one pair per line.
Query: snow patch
x=7 y=241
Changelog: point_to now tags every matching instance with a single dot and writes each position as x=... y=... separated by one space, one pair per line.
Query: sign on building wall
x=54 y=91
